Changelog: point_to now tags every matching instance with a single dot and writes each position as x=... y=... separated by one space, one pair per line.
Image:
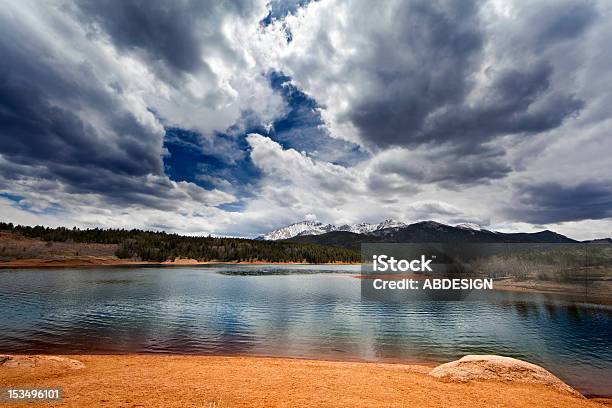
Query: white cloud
x=432 y=91
x=295 y=184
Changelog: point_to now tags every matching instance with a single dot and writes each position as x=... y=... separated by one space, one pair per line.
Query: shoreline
x=595 y=295
x=97 y=262
x=600 y=295
x=241 y=381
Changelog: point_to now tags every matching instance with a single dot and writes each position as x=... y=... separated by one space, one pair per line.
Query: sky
x=237 y=117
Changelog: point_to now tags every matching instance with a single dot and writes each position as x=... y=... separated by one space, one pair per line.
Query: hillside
x=24 y=242
x=17 y=246
x=599 y=241
x=343 y=239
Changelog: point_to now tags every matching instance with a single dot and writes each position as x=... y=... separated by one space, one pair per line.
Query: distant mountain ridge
x=395 y=231
x=599 y=241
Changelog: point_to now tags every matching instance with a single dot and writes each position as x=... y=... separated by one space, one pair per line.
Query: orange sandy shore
x=219 y=382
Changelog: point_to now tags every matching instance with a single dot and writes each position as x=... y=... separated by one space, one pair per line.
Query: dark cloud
x=444 y=74
x=518 y=102
x=35 y=130
x=544 y=203
x=63 y=130
x=42 y=120
x=172 y=32
x=470 y=170
x=427 y=100
x=449 y=168
x=563 y=22
x=421 y=67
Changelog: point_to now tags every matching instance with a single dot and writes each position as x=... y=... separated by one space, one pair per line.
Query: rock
x=20 y=361
x=491 y=367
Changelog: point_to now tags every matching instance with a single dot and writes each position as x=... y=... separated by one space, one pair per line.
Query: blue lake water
x=305 y=311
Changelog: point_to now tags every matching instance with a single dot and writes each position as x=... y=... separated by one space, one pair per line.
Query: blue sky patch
x=189 y=160
x=279 y=9
x=303 y=129
x=19 y=202
x=222 y=161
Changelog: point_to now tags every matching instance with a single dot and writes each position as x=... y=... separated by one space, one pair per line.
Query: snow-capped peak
x=318 y=228
x=390 y=224
x=361 y=228
x=299 y=228
x=469 y=226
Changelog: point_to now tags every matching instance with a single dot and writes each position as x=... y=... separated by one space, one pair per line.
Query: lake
x=293 y=311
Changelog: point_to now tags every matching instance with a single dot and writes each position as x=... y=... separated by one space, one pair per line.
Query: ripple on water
x=315 y=315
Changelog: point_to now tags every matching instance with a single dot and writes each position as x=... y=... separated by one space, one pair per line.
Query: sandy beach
x=206 y=381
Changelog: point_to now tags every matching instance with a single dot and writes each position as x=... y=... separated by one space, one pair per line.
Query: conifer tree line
x=161 y=246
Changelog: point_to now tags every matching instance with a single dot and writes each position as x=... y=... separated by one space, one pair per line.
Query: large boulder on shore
x=32 y=361
x=491 y=367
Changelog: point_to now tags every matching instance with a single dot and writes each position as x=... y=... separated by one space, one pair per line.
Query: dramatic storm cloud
x=553 y=202
x=237 y=117
x=425 y=73
x=72 y=124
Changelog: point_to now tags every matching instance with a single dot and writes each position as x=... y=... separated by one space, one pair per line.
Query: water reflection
x=311 y=314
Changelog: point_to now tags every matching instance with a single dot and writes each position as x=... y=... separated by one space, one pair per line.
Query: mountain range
x=318 y=228
x=395 y=231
